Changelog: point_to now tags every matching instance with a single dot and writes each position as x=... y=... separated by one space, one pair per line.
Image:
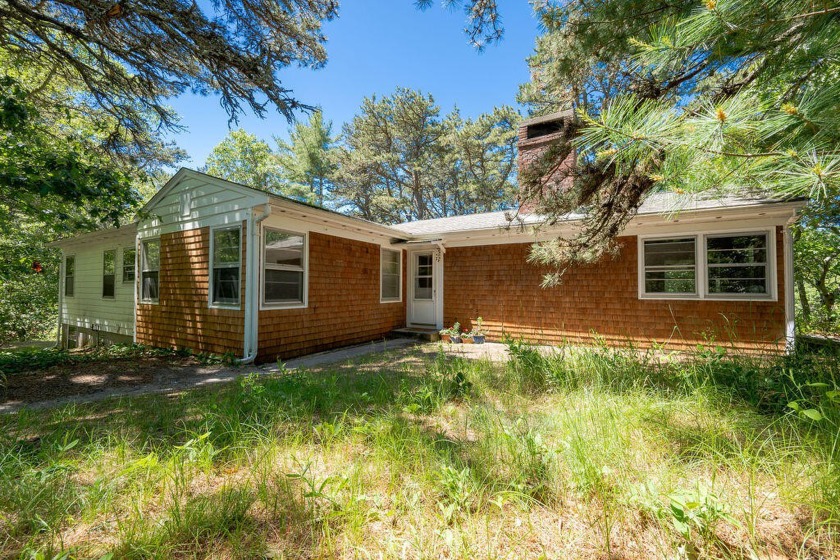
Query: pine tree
x=305 y=160
x=703 y=97
x=399 y=160
x=243 y=158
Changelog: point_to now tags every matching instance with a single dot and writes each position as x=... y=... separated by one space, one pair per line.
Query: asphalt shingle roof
x=659 y=203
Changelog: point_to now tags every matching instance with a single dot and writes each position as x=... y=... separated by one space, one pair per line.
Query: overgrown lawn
x=413 y=454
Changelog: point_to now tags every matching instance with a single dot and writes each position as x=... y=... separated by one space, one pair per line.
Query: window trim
x=102 y=291
x=133 y=264
x=701 y=263
x=399 y=298
x=139 y=277
x=211 y=267
x=64 y=276
x=698 y=257
x=280 y=305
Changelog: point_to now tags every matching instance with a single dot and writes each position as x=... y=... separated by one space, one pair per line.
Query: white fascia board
x=713 y=219
x=232 y=218
x=101 y=236
x=329 y=223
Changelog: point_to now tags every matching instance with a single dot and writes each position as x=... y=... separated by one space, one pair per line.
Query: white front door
x=423 y=290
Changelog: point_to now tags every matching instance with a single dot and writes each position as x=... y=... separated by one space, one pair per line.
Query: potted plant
x=452 y=334
x=467 y=338
x=477 y=333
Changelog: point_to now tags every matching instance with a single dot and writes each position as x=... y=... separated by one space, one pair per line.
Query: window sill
x=383 y=301
x=281 y=306
x=228 y=306
x=150 y=301
x=716 y=297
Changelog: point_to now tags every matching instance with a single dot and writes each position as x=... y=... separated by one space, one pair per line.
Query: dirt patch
x=95 y=377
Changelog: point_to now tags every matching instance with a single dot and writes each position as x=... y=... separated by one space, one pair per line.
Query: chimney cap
x=557 y=116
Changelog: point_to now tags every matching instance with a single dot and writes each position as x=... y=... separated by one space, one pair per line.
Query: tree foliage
x=484 y=24
x=817 y=266
x=702 y=97
x=305 y=160
x=28 y=281
x=243 y=158
x=128 y=58
x=53 y=174
x=400 y=160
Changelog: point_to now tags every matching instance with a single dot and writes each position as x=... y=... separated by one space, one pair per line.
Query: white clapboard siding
x=193 y=200
x=87 y=308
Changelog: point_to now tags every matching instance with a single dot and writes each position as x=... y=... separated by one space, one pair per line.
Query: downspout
x=790 y=303
x=137 y=283
x=251 y=323
x=60 y=301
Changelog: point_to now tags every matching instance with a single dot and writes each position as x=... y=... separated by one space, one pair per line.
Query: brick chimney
x=535 y=135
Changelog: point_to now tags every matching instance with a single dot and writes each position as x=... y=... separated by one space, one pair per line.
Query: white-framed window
x=129 y=257
x=69 y=275
x=737 y=265
x=225 y=266
x=284 y=268
x=150 y=271
x=109 y=273
x=390 y=275
x=670 y=266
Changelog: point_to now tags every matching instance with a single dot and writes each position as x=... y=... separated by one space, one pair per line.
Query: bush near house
x=579 y=454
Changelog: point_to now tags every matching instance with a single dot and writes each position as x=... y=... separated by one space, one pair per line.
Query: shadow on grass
x=389 y=408
x=41 y=452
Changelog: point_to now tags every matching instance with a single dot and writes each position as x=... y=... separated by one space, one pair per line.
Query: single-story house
x=219 y=267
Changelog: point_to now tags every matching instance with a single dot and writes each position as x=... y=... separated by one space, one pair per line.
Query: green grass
x=582 y=453
x=30 y=359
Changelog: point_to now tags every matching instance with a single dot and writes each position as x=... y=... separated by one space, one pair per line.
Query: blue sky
x=374 y=46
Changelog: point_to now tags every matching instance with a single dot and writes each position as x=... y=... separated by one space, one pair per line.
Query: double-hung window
x=390 y=275
x=69 y=276
x=284 y=268
x=737 y=264
x=128 y=258
x=670 y=266
x=225 y=266
x=109 y=272
x=150 y=271
x=707 y=266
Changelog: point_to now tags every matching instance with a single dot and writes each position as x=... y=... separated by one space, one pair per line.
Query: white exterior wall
x=86 y=307
x=193 y=200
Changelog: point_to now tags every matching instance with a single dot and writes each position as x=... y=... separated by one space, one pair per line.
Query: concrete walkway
x=493 y=351
x=224 y=375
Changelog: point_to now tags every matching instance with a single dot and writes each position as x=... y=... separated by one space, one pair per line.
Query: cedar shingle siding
x=343 y=306
x=496 y=283
x=183 y=318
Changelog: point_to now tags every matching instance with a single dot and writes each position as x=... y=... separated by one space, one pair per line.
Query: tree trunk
x=803 y=299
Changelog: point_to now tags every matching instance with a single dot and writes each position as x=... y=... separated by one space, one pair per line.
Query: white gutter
x=138 y=282
x=790 y=302
x=251 y=338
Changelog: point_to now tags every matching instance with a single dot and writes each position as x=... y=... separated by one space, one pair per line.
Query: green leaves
x=400 y=160
x=715 y=97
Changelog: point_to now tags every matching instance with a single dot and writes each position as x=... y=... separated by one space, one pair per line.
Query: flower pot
x=467 y=339
x=455 y=339
x=445 y=338
x=478 y=338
